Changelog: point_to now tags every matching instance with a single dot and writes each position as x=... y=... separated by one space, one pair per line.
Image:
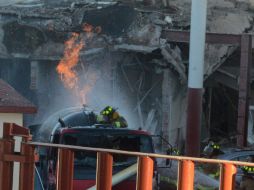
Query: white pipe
x=197 y=43
x=39 y=177
x=1 y=129
x=124 y=174
x=16 y=165
x=121 y=176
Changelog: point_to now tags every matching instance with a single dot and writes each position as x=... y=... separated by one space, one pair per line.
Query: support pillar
x=194 y=113
x=6 y=168
x=145 y=174
x=186 y=175
x=227 y=179
x=27 y=171
x=104 y=171
x=195 y=77
x=34 y=75
x=8 y=147
x=244 y=86
x=66 y=167
x=165 y=107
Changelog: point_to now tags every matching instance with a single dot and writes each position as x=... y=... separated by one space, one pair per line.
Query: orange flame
x=71 y=57
x=66 y=66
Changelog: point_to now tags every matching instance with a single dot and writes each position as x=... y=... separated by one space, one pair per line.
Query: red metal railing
x=26 y=158
x=145 y=166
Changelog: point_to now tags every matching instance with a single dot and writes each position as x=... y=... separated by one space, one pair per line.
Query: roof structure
x=13 y=102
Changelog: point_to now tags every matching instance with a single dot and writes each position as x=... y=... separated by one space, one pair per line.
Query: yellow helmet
x=108 y=110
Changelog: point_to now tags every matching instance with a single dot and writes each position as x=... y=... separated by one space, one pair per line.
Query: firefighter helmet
x=108 y=110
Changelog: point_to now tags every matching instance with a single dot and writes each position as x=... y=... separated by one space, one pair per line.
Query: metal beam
x=244 y=87
x=211 y=38
x=245 y=41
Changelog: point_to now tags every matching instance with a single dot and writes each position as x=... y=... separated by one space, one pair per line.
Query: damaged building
x=131 y=57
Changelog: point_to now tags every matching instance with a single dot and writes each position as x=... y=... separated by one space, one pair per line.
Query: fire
x=66 y=66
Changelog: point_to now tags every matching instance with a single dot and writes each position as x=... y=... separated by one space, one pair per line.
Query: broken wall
x=230 y=17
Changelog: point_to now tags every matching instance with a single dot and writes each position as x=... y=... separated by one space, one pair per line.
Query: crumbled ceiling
x=42 y=23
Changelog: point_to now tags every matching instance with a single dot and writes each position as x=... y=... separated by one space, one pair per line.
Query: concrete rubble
x=141 y=32
x=138 y=32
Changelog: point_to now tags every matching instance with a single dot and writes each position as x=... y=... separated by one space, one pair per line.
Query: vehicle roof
x=236 y=154
x=101 y=128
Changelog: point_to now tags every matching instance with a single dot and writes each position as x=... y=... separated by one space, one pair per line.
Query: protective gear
x=175 y=152
x=100 y=118
x=210 y=170
x=212 y=150
x=109 y=115
x=248 y=170
x=108 y=111
x=215 y=146
x=211 y=146
x=120 y=122
x=117 y=124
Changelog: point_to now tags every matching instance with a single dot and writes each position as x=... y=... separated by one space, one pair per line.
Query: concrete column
x=244 y=88
x=196 y=74
x=34 y=75
x=165 y=106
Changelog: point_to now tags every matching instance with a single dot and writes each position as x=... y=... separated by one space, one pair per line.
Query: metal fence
x=26 y=156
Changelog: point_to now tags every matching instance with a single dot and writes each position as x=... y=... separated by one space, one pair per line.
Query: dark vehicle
x=243 y=155
x=237 y=155
x=78 y=129
x=121 y=139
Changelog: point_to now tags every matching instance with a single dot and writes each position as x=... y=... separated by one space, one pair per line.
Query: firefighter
x=247 y=182
x=212 y=150
x=109 y=115
x=173 y=151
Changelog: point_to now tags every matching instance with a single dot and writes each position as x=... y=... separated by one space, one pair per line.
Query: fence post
x=27 y=169
x=227 y=177
x=104 y=171
x=186 y=175
x=65 y=171
x=145 y=173
x=6 y=168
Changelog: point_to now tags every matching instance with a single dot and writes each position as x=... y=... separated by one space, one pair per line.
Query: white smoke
x=108 y=90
